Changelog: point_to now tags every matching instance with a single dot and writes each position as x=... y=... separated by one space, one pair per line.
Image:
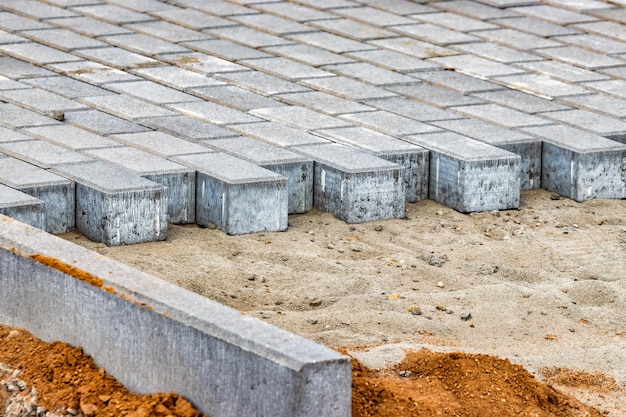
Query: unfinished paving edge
x=225 y=363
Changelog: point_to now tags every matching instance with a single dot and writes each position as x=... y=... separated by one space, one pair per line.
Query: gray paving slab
x=518 y=100
x=524 y=145
x=562 y=72
x=185 y=127
x=277 y=134
x=8 y=84
x=193 y=18
x=237 y=196
x=11 y=22
x=535 y=26
x=213 y=113
x=235 y=97
x=202 y=63
x=176 y=77
x=456 y=21
x=502 y=116
x=62 y=39
x=126 y=107
x=347 y=88
x=374 y=16
x=102 y=123
x=351 y=29
x=285 y=68
x=581 y=165
x=389 y=123
x=116 y=206
x=21 y=207
x=401 y=7
x=600 y=124
x=609 y=29
x=299 y=117
x=115 y=57
x=476 y=66
x=42 y=154
x=470 y=176
x=296 y=168
x=8 y=135
x=330 y=42
x=66 y=87
x=516 y=39
x=329 y=4
x=394 y=61
x=615 y=88
x=247 y=36
x=35 y=9
x=271 y=24
x=435 y=95
x=143 y=44
x=151 y=92
x=412 y=109
x=57 y=193
x=111 y=13
x=40 y=101
x=261 y=83
x=143 y=5
x=70 y=137
x=215 y=7
x=594 y=6
x=541 y=85
x=17 y=69
x=92 y=72
x=435 y=34
x=226 y=50
x=464 y=84
x=9 y=38
x=414 y=47
x=596 y=43
x=497 y=53
x=88 y=26
x=473 y=9
x=601 y=103
x=581 y=57
x=293 y=11
x=160 y=144
x=168 y=31
x=309 y=55
x=553 y=14
x=323 y=102
x=37 y=54
x=180 y=181
x=355 y=186
x=413 y=158
x=16 y=117
x=370 y=74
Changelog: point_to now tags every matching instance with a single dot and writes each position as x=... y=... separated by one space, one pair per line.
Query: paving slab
x=326 y=103
x=581 y=165
x=57 y=193
x=62 y=39
x=88 y=26
x=66 y=87
x=235 y=97
x=9 y=135
x=40 y=101
x=347 y=88
x=176 y=77
x=193 y=18
x=180 y=181
x=600 y=124
x=126 y=107
x=70 y=137
x=8 y=84
x=435 y=34
x=143 y=44
x=581 y=57
x=297 y=169
x=299 y=117
x=247 y=36
x=462 y=83
x=168 y=31
x=278 y=134
x=524 y=102
x=214 y=113
x=470 y=176
x=21 y=207
x=535 y=27
x=524 y=145
x=516 y=39
x=116 y=206
x=351 y=29
x=259 y=82
x=102 y=123
x=498 y=53
x=159 y=143
x=201 y=63
x=355 y=186
x=502 y=116
x=330 y=42
x=308 y=54
x=600 y=103
x=393 y=61
x=477 y=66
x=17 y=69
x=237 y=196
x=370 y=74
x=390 y=123
x=542 y=86
x=185 y=127
x=42 y=154
x=151 y=92
x=16 y=117
x=414 y=47
x=435 y=95
x=413 y=158
x=92 y=72
x=412 y=109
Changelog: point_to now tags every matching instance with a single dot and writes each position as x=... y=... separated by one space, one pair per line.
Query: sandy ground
x=544 y=286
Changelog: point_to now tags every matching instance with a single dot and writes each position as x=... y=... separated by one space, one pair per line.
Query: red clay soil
x=424 y=384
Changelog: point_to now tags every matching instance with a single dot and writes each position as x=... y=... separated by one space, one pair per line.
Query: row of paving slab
x=119 y=117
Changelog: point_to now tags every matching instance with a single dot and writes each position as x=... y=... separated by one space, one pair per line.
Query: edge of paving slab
x=154 y=336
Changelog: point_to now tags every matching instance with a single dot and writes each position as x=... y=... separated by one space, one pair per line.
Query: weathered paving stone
x=502 y=116
x=601 y=103
x=185 y=127
x=297 y=12
x=144 y=44
x=151 y=92
x=474 y=9
x=553 y=14
x=202 y=63
x=274 y=25
x=299 y=117
x=214 y=113
x=581 y=57
x=261 y=83
x=412 y=109
x=434 y=95
x=521 y=101
x=9 y=135
x=497 y=53
x=126 y=107
x=354 y=186
x=180 y=181
x=237 y=196
x=330 y=42
x=11 y=22
x=92 y=72
x=352 y=29
x=116 y=57
x=477 y=66
x=102 y=123
x=401 y=7
x=248 y=36
x=613 y=87
x=17 y=69
x=456 y=21
x=324 y=103
x=112 y=13
x=435 y=34
x=370 y=74
x=235 y=97
x=176 y=77
x=70 y=137
x=57 y=193
x=40 y=101
x=393 y=61
x=468 y=175
x=596 y=43
x=62 y=39
x=390 y=123
x=88 y=26
x=535 y=26
x=524 y=145
x=374 y=16
x=414 y=47
x=347 y=88
x=225 y=49
x=159 y=143
x=278 y=134
x=581 y=165
x=297 y=169
x=66 y=87
x=600 y=124
x=21 y=206
x=116 y=206
x=516 y=39
x=168 y=31
x=8 y=84
x=413 y=158
x=285 y=68
x=193 y=19
x=464 y=84
x=308 y=54
x=542 y=85
x=16 y=117
x=42 y=154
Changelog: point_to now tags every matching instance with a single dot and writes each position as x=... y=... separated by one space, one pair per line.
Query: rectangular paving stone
x=21 y=207
x=56 y=193
x=17 y=69
x=111 y=13
x=116 y=57
x=535 y=26
x=168 y=31
x=524 y=102
x=434 y=95
x=186 y=127
x=470 y=176
x=272 y=24
x=393 y=61
x=347 y=88
x=16 y=117
x=463 y=83
x=299 y=117
x=413 y=158
x=581 y=165
x=93 y=72
x=414 y=47
x=126 y=107
x=285 y=68
x=473 y=9
x=597 y=43
x=193 y=18
x=561 y=71
x=556 y=15
x=277 y=134
x=102 y=123
x=296 y=168
x=323 y=102
x=224 y=49
x=412 y=109
x=609 y=29
x=261 y=83
x=150 y=91
x=62 y=39
x=42 y=154
x=180 y=181
x=9 y=84
x=516 y=39
x=369 y=74
x=247 y=36
x=456 y=21
x=400 y=7
x=435 y=34
x=216 y=7
x=37 y=54
x=66 y=87
x=309 y=55
x=116 y=206
x=40 y=101
x=8 y=135
x=524 y=145
x=498 y=53
x=502 y=116
x=11 y=22
x=389 y=123
x=330 y=42
x=235 y=97
x=600 y=103
x=176 y=77
x=159 y=143
x=88 y=26
x=237 y=196
x=352 y=29
x=354 y=186
x=477 y=66
x=213 y=113
x=143 y=5
x=541 y=85
x=143 y=44
x=202 y=63
x=600 y=124
x=581 y=57
x=297 y=12
x=70 y=137
x=615 y=88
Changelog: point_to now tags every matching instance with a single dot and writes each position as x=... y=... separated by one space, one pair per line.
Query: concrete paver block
x=160 y=144
x=354 y=186
x=21 y=207
x=116 y=206
x=57 y=193
x=179 y=180
x=277 y=134
x=70 y=137
x=186 y=127
x=468 y=175
x=297 y=169
x=237 y=196
x=42 y=154
x=102 y=123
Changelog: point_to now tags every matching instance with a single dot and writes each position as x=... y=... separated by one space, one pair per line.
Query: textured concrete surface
x=227 y=364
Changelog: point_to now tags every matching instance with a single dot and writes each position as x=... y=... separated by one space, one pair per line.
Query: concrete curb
x=155 y=336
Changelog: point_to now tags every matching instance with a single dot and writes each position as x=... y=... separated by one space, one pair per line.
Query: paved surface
x=492 y=88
